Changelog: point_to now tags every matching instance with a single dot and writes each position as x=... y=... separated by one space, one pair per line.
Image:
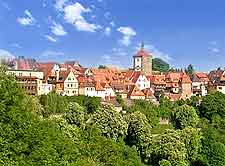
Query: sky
x=109 y=32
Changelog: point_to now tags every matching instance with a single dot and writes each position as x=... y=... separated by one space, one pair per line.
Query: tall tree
x=213 y=105
x=185 y=116
x=160 y=65
x=168 y=149
x=110 y=122
x=139 y=133
x=190 y=69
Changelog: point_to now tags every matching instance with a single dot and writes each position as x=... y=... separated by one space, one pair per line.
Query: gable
x=71 y=77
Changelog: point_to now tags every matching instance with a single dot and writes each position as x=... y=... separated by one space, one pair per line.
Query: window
x=220 y=88
x=68 y=85
x=69 y=78
x=20 y=74
x=71 y=85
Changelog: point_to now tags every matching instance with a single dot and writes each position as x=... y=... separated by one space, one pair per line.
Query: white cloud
x=107 y=15
x=107 y=31
x=50 y=38
x=155 y=52
x=16 y=45
x=112 y=23
x=74 y=15
x=52 y=53
x=215 y=50
x=53 y=56
x=110 y=61
x=128 y=34
x=58 y=29
x=119 y=52
x=28 y=19
x=60 y=4
x=213 y=43
x=6 y=55
x=116 y=57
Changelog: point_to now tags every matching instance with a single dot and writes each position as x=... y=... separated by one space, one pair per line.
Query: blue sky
x=110 y=31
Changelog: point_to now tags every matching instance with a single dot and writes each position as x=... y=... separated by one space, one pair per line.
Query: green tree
x=92 y=104
x=75 y=115
x=165 y=107
x=52 y=104
x=139 y=133
x=160 y=65
x=192 y=140
x=165 y=163
x=212 y=105
x=120 y=100
x=106 y=151
x=26 y=139
x=190 y=69
x=185 y=116
x=170 y=147
x=213 y=152
x=102 y=67
x=111 y=123
x=148 y=109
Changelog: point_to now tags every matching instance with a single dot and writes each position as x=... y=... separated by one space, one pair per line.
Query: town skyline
x=99 y=32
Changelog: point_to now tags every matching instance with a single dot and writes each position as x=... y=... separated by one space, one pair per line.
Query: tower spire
x=142 y=45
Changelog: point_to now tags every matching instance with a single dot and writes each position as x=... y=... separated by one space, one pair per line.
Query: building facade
x=142 y=61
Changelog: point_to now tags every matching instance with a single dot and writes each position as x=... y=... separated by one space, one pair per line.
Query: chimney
x=57 y=75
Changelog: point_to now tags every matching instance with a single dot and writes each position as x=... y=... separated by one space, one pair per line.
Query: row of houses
x=72 y=79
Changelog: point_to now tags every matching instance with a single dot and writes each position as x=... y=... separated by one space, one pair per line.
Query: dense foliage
x=185 y=116
x=160 y=65
x=28 y=139
x=79 y=131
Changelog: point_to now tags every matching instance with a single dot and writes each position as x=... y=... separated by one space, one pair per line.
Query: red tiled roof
x=105 y=85
x=25 y=64
x=158 y=79
x=142 y=53
x=176 y=77
x=132 y=75
x=99 y=87
x=135 y=91
x=148 y=92
x=85 y=82
x=202 y=76
x=63 y=75
x=104 y=75
x=26 y=77
x=173 y=77
x=173 y=97
x=47 y=68
x=185 y=78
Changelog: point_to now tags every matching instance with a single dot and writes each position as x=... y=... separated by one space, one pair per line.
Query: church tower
x=143 y=61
